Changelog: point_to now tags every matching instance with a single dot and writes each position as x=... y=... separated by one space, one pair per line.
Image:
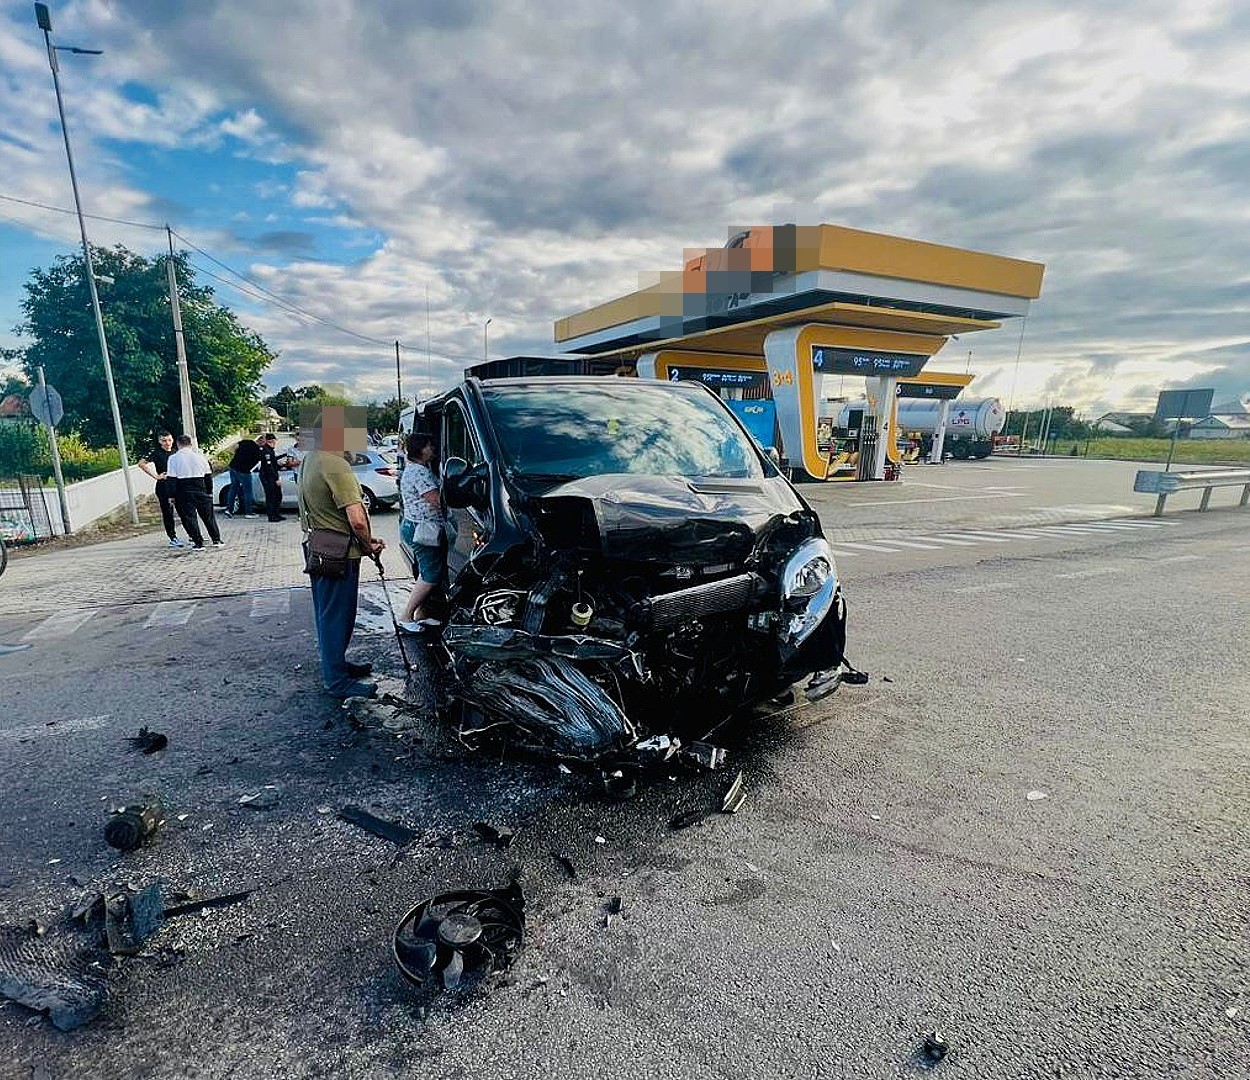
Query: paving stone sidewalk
x=258 y=555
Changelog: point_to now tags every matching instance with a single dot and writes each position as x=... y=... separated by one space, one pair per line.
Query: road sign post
x=45 y=405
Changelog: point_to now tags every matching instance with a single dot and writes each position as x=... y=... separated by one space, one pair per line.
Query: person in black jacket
x=269 y=476
x=154 y=463
x=246 y=458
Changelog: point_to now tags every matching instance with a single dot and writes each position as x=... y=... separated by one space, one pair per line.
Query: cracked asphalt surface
x=1031 y=837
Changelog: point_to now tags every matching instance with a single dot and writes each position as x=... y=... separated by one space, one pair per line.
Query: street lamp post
x=485 y=338
x=44 y=19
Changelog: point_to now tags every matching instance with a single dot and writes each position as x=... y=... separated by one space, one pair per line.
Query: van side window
x=458 y=439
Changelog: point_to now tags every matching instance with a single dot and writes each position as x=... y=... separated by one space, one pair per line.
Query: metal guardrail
x=1164 y=484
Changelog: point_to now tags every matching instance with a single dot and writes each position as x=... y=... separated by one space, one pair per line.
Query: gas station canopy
x=788 y=304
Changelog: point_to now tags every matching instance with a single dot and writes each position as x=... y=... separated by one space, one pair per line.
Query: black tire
x=959 y=451
x=4 y=555
x=369 y=500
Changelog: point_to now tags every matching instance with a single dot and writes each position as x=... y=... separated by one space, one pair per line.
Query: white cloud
x=523 y=163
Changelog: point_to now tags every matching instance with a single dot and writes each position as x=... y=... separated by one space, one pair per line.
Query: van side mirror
x=464 y=486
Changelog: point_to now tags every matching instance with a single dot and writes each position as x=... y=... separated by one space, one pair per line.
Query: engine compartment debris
x=393 y=831
x=453 y=941
x=132 y=826
x=147 y=741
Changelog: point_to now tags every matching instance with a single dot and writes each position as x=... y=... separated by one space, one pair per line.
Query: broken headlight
x=807 y=570
x=809 y=584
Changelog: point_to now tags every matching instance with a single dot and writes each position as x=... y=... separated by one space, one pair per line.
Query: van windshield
x=564 y=431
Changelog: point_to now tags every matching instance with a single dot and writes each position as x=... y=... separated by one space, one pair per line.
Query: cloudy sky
x=520 y=162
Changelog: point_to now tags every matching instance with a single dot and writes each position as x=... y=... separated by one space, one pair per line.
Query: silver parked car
x=377 y=471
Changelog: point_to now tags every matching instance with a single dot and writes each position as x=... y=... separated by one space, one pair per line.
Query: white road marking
x=950 y=540
x=1183 y=558
x=857 y=546
x=911 y=544
x=60 y=625
x=1093 y=572
x=942 y=498
x=992 y=538
x=171 y=613
x=267 y=604
x=992 y=586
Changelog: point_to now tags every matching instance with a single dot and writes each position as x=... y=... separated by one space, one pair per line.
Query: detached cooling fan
x=458 y=936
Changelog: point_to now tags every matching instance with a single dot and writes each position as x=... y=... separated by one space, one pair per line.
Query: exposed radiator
x=713 y=598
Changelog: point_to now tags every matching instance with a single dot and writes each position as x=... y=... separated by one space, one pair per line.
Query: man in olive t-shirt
x=330 y=498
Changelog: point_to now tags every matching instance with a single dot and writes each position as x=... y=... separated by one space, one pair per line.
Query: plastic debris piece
x=687 y=818
x=705 y=755
x=147 y=741
x=1231 y=1012
x=612 y=908
x=387 y=830
x=566 y=865
x=133 y=826
x=51 y=974
x=1036 y=796
x=36 y=928
x=735 y=796
x=87 y=908
x=619 y=784
x=936 y=1046
x=5 y=649
x=500 y=836
x=223 y=900
x=265 y=799
x=129 y=920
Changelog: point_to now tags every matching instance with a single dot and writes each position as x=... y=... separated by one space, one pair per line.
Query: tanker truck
x=970 y=425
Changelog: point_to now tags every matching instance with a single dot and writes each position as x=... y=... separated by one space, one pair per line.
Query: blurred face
x=342 y=428
x=167 y=442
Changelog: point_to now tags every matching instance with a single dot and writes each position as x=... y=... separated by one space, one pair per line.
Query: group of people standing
x=330 y=499
x=184 y=482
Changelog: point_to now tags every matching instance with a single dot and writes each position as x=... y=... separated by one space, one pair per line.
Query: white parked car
x=377 y=471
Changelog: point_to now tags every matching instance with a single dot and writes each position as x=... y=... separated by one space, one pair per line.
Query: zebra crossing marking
x=268 y=604
x=171 y=613
x=60 y=625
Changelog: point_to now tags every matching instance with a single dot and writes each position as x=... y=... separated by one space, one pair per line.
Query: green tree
x=289 y=400
x=225 y=360
x=385 y=417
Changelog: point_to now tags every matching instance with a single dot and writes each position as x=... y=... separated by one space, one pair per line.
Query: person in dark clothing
x=269 y=476
x=246 y=458
x=195 y=492
x=155 y=463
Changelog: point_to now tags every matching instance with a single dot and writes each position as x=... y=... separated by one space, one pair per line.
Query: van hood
x=662 y=519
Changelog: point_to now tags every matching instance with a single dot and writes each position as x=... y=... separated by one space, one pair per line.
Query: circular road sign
x=45 y=404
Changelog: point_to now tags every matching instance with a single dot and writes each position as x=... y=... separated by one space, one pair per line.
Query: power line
x=65 y=210
x=289 y=304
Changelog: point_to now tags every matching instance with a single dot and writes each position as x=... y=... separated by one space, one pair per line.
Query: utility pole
x=44 y=19
x=399 y=384
x=184 y=376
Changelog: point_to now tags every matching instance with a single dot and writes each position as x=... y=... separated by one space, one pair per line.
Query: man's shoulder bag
x=325 y=553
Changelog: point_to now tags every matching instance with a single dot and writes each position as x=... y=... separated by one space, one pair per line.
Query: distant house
x=1228 y=426
x=1120 y=423
x=1227 y=420
x=1111 y=427
x=12 y=407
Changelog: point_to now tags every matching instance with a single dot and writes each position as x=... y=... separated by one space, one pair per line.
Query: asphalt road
x=1027 y=830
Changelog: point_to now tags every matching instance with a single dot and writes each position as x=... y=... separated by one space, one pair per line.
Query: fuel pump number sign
x=866 y=362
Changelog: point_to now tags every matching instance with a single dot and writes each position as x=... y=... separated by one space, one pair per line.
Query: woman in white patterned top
x=423 y=522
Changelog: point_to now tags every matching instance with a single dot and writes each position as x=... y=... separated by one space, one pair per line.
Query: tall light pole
x=44 y=19
x=485 y=338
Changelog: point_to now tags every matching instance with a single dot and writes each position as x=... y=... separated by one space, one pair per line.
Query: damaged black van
x=628 y=563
